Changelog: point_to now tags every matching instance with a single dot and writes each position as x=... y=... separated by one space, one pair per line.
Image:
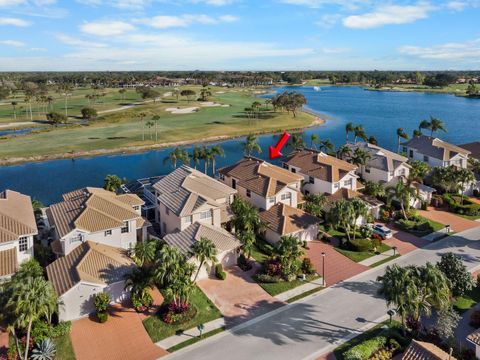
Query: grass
x=381 y=262
x=64 y=348
x=123 y=129
x=436 y=226
x=393 y=329
x=468 y=300
x=195 y=340
x=468 y=217
x=258 y=254
x=280 y=287
x=359 y=256
x=457 y=89
x=305 y=294
x=206 y=311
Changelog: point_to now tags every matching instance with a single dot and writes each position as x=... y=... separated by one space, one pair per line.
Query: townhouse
x=17 y=229
x=262 y=184
x=97 y=215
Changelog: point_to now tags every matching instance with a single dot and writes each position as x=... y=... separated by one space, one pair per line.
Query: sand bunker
x=212 y=104
x=188 y=110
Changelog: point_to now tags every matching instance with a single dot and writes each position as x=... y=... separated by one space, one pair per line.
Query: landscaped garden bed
x=468 y=208
x=418 y=225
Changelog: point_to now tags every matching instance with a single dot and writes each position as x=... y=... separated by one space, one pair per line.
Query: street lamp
x=394 y=248
x=323 y=269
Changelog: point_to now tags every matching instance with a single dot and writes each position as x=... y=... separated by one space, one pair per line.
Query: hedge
x=366 y=349
x=468 y=208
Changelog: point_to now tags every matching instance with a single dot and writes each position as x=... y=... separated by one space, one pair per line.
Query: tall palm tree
x=197 y=155
x=403 y=193
x=155 y=118
x=360 y=210
x=247 y=238
x=464 y=177
x=360 y=158
x=344 y=152
x=313 y=141
x=289 y=251
x=401 y=134
x=216 y=150
x=145 y=252
x=176 y=155
x=14 y=105
x=207 y=157
x=251 y=145
x=149 y=125
x=168 y=265
x=296 y=141
x=424 y=124
x=204 y=250
x=326 y=145
x=436 y=125
x=142 y=116
x=359 y=132
x=417 y=133
x=65 y=89
x=246 y=216
x=348 y=129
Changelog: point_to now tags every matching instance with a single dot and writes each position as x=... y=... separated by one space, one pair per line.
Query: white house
x=89 y=269
x=435 y=152
x=186 y=196
x=281 y=220
x=94 y=214
x=17 y=228
x=262 y=184
x=322 y=173
x=383 y=166
x=226 y=244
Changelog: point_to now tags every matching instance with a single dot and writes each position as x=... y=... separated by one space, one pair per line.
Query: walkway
x=457 y=223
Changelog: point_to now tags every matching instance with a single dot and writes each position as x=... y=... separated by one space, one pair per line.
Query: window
x=136 y=208
x=425 y=158
x=294 y=170
x=271 y=199
x=234 y=183
x=285 y=166
x=77 y=238
x=311 y=180
x=411 y=154
x=404 y=149
x=367 y=170
x=188 y=219
x=221 y=176
x=285 y=196
x=249 y=193
x=108 y=233
x=336 y=185
x=23 y=244
x=401 y=172
x=206 y=215
x=125 y=228
x=348 y=182
x=167 y=211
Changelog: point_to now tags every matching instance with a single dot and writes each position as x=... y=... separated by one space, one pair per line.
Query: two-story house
x=383 y=166
x=435 y=152
x=186 y=196
x=321 y=173
x=17 y=228
x=262 y=184
x=96 y=215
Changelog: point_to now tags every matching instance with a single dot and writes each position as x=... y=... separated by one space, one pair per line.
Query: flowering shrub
x=272 y=267
x=177 y=313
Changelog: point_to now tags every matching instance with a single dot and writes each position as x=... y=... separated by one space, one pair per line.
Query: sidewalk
x=300 y=290
x=374 y=259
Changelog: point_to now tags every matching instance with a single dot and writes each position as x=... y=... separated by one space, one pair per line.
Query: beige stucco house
x=262 y=184
x=17 y=228
x=226 y=244
x=281 y=220
x=322 y=173
x=186 y=196
x=374 y=205
x=89 y=269
x=97 y=215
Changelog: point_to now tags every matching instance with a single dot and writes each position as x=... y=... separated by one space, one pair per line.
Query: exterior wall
x=78 y=301
x=226 y=258
x=302 y=235
x=22 y=256
x=458 y=160
x=215 y=220
x=169 y=222
x=375 y=175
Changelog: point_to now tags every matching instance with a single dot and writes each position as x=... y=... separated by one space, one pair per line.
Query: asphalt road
x=318 y=324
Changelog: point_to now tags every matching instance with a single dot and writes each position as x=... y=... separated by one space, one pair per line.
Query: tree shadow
x=365 y=288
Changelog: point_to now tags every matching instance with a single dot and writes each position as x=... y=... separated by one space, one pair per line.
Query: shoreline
x=317 y=121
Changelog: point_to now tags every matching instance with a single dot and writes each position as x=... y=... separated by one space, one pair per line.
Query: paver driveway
x=3 y=342
x=337 y=266
x=456 y=223
x=238 y=297
x=121 y=337
x=404 y=241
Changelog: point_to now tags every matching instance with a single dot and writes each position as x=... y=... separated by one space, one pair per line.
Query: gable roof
x=380 y=158
x=184 y=240
x=185 y=190
x=435 y=147
x=348 y=194
x=93 y=209
x=260 y=176
x=16 y=216
x=419 y=350
x=474 y=148
x=320 y=165
x=8 y=261
x=90 y=262
x=284 y=219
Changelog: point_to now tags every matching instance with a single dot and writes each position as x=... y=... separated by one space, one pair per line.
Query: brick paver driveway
x=404 y=241
x=456 y=223
x=121 y=337
x=3 y=342
x=337 y=266
x=238 y=297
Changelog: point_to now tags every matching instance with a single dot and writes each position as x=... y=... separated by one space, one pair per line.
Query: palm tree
x=246 y=216
x=464 y=177
x=424 y=124
x=251 y=145
x=197 y=155
x=65 y=90
x=326 y=145
x=359 y=210
x=403 y=193
x=204 y=250
x=359 y=132
x=341 y=216
x=417 y=133
x=176 y=155
x=142 y=116
x=138 y=282
x=155 y=118
x=360 y=158
x=207 y=157
x=122 y=92
x=14 y=105
x=314 y=204
x=112 y=183
x=289 y=251
x=149 y=125
x=344 y=152
x=182 y=285
x=168 y=265
x=296 y=142
x=247 y=238
x=216 y=150
x=313 y=140
x=348 y=129
x=401 y=134
x=372 y=140
x=145 y=252
x=436 y=125
x=418 y=171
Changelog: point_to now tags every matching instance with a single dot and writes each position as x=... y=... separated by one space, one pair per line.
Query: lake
x=381 y=113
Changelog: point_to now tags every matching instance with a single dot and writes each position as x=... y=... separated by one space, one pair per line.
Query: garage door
x=229 y=258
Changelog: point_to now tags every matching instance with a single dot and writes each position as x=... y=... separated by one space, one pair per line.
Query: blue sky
x=239 y=35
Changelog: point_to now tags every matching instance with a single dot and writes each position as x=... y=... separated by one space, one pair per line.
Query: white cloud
x=69 y=40
x=215 y=2
x=120 y=4
x=315 y=4
x=106 y=28
x=14 y=43
x=468 y=51
x=9 y=3
x=14 y=22
x=166 y=21
x=457 y=5
x=328 y=20
x=387 y=15
x=334 y=51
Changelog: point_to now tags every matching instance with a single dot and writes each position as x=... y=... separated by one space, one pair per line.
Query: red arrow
x=275 y=151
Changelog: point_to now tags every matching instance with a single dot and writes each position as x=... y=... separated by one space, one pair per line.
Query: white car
x=383 y=231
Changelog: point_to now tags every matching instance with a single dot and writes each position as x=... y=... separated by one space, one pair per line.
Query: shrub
x=468 y=207
x=382 y=354
x=366 y=349
x=360 y=245
x=143 y=302
x=45 y=350
x=243 y=263
x=475 y=319
x=102 y=316
x=272 y=267
x=476 y=193
x=307 y=266
x=89 y=113
x=219 y=273
x=178 y=313
x=264 y=278
x=424 y=205
x=101 y=302
x=265 y=247
x=41 y=330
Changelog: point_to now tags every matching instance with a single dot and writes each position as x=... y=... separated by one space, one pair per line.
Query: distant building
x=17 y=229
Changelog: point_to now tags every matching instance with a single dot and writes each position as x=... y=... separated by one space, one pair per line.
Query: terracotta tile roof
x=8 y=262
x=435 y=147
x=380 y=158
x=260 y=176
x=319 y=165
x=284 y=219
x=93 y=210
x=16 y=216
x=419 y=350
x=89 y=262
x=185 y=190
x=348 y=194
x=183 y=240
x=474 y=148
x=474 y=337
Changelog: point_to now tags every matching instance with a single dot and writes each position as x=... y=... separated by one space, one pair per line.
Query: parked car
x=383 y=231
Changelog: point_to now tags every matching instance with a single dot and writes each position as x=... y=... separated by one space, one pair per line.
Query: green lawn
x=206 y=311
x=468 y=217
x=436 y=226
x=467 y=301
x=258 y=254
x=280 y=287
x=195 y=340
x=64 y=348
x=358 y=256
